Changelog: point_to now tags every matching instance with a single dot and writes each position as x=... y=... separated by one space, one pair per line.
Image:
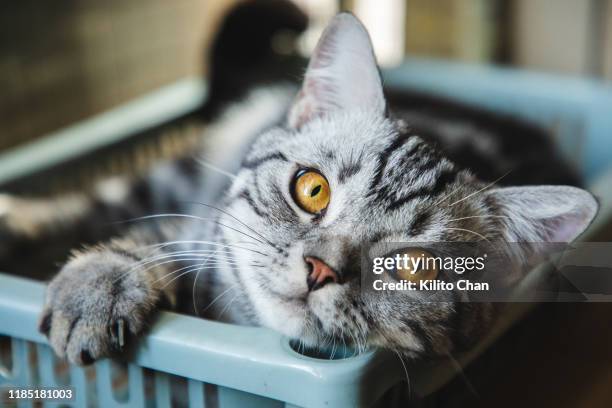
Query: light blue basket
x=194 y=362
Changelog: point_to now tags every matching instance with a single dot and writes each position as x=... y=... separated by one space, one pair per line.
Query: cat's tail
x=255 y=45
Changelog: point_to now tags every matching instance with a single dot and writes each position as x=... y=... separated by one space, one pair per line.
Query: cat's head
x=343 y=174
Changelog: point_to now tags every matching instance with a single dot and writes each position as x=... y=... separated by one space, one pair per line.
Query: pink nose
x=320 y=274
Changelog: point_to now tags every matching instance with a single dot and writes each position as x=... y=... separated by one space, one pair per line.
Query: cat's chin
x=304 y=316
x=299 y=319
x=291 y=317
x=322 y=304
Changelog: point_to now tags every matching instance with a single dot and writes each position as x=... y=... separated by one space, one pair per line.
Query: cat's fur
x=247 y=252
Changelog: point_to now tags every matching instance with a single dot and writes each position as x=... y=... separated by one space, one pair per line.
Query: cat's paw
x=95 y=305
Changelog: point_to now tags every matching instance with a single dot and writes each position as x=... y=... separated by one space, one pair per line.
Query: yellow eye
x=311 y=191
x=416 y=264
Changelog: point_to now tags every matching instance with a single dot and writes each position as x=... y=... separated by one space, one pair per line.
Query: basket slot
x=78 y=380
x=46 y=365
x=196 y=394
x=104 y=386
x=22 y=371
x=136 y=383
x=229 y=398
x=162 y=390
x=5 y=359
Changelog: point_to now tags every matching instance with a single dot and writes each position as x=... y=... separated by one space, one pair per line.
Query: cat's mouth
x=306 y=298
x=312 y=309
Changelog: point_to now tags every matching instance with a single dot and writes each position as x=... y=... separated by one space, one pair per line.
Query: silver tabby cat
x=277 y=243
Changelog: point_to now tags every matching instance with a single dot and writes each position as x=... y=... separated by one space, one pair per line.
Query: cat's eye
x=310 y=191
x=415 y=265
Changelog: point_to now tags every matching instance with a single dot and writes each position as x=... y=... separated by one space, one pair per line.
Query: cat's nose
x=320 y=274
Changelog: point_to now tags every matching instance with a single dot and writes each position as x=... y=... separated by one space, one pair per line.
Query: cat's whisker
x=480 y=190
x=226 y=307
x=246 y=243
x=176 y=271
x=362 y=342
x=192 y=269
x=200 y=265
x=462 y=374
x=192 y=241
x=196 y=252
x=167 y=254
x=218 y=263
x=399 y=356
x=479 y=216
x=167 y=275
x=211 y=166
x=446 y=196
x=193 y=217
x=223 y=252
x=355 y=342
x=320 y=345
x=219 y=297
x=333 y=352
x=188 y=269
x=193 y=291
x=239 y=220
x=355 y=339
x=343 y=342
x=405 y=372
x=177 y=258
x=468 y=230
x=212 y=243
x=173 y=258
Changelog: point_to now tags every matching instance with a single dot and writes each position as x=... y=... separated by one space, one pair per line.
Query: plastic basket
x=195 y=362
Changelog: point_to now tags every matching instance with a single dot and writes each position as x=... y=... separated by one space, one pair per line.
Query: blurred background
x=63 y=62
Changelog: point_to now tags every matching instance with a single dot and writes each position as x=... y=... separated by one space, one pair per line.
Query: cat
x=274 y=240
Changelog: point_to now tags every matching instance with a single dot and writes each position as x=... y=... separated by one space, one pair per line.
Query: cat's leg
x=106 y=295
x=49 y=227
x=108 y=200
x=45 y=227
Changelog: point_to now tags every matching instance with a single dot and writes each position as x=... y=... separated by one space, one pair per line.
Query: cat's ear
x=544 y=213
x=342 y=74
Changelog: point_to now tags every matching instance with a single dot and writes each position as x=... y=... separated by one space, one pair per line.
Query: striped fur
x=235 y=245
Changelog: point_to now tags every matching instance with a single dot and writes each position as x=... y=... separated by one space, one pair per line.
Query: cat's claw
x=44 y=325
x=93 y=308
x=118 y=333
